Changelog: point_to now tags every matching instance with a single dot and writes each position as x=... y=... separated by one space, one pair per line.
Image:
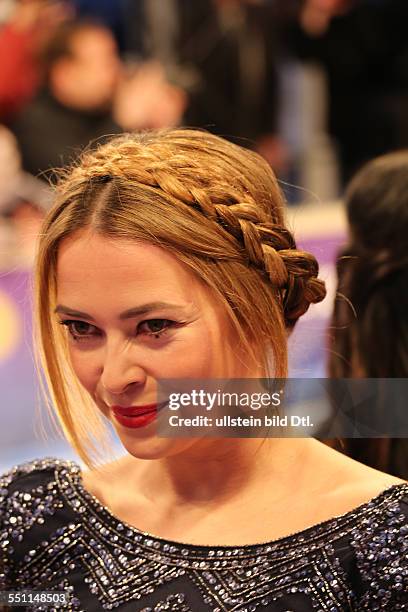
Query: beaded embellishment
x=55 y=535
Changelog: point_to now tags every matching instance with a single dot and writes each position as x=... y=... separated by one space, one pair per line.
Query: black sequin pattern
x=54 y=535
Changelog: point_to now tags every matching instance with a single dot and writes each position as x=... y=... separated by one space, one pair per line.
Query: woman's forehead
x=95 y=252
x=99 y=267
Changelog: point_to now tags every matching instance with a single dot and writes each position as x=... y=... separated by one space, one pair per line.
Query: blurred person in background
x=23 y=201
x=363 y=46
x=370 y=319
x=108 y=12
x=88 y=95
x=27 y=25
x=10 y=170
x=145 y=99
x=82 y=69
x=224 y=54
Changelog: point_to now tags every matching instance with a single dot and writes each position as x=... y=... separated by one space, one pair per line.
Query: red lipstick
x=135 y=416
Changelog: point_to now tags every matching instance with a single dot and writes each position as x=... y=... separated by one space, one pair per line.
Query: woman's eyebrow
x=137 y=311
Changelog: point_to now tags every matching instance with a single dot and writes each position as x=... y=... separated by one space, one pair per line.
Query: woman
x=370 y=338
x=169 y=249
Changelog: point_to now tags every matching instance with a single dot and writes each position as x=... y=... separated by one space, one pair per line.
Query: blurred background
x=317 y=87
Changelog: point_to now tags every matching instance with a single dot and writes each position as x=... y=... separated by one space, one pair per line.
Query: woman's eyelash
x=69 y=325
x=156 y=333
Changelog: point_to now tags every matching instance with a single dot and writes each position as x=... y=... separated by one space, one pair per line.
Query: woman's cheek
x=84 y=368
x=193 y=363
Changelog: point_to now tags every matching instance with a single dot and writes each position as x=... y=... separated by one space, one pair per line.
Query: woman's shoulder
x=29 y=483
x=36 y=471
x=30 y=498
x=375 y=529
x=45 y=478
x=380 y=544
x=348 y=481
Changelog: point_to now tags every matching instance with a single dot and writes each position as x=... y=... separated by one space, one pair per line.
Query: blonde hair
x=213 y=205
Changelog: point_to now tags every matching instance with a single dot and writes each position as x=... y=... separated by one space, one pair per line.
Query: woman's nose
x=119 y=372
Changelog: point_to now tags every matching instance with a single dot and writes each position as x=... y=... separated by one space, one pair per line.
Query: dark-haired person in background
x=370 y=326
x=82 y=69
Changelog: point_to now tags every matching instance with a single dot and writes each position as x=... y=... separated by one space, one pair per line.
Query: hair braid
x=264 y=243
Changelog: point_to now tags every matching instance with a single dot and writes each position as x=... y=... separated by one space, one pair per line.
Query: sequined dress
x=54 y=535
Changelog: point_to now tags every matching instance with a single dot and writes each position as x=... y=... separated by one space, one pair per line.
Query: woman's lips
x=136 y=416
x=134 y=410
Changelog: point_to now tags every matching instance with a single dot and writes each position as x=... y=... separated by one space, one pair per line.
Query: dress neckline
x=389 y=495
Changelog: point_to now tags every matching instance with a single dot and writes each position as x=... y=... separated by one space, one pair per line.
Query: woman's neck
x=220 y=471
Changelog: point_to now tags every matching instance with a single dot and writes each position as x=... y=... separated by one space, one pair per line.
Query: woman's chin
x=155 y=447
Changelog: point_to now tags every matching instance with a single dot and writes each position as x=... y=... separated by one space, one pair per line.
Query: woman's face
x=176 y=329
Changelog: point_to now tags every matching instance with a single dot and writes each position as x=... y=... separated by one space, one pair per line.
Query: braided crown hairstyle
x=213 y=205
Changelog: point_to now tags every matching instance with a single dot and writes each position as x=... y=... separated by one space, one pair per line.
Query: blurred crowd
x=74 y=71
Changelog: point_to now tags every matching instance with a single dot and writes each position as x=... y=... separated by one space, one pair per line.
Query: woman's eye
x=154 y=327
x=80 y=330
x=76 y=329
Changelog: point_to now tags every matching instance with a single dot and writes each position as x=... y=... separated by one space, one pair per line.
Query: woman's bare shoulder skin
x=102 y=481
x=352 y=482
